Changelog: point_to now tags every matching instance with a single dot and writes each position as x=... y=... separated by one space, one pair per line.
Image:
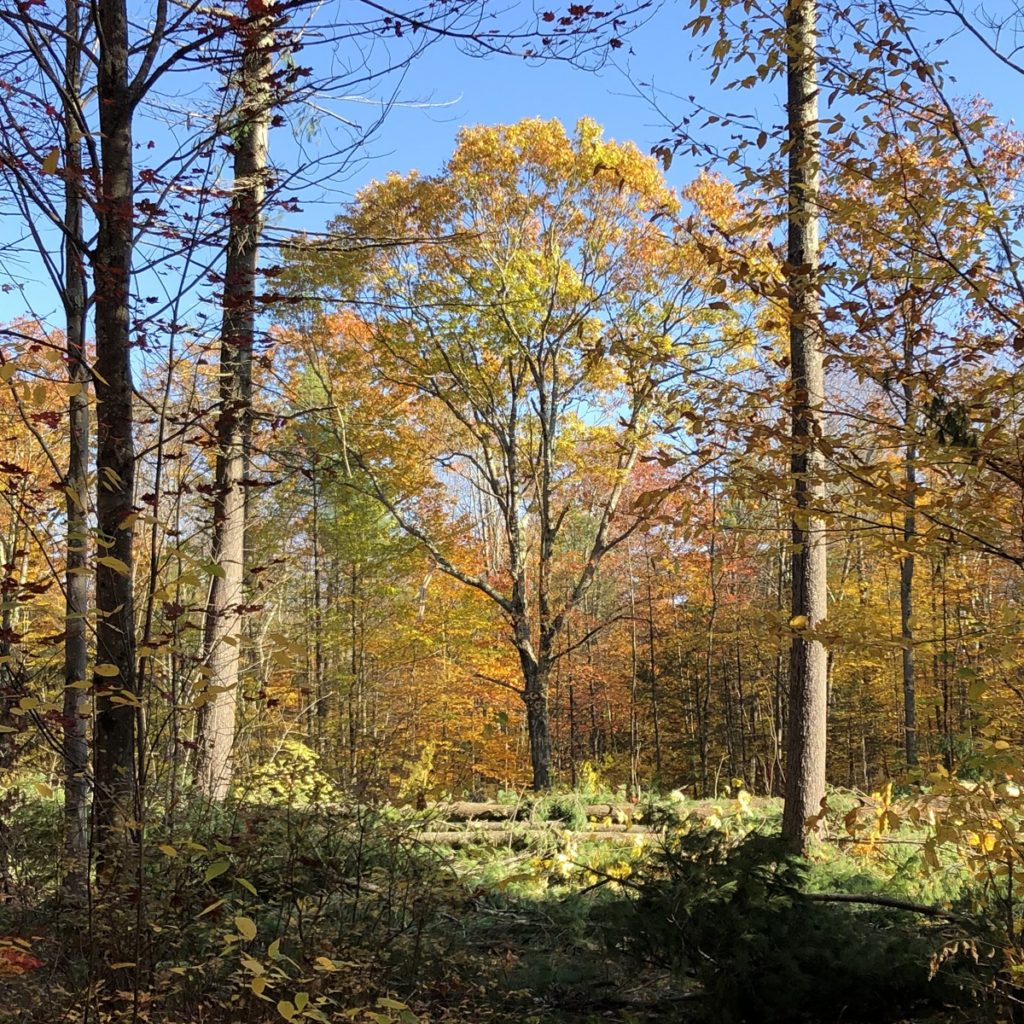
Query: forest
x=577 y=580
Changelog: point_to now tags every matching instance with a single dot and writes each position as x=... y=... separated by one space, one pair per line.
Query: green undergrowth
x=270 y=913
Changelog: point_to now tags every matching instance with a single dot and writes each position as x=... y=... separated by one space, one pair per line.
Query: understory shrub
x=734 y=917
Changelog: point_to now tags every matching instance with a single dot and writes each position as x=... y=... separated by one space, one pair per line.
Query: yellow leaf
x=50 y=161
x=798 y=622
x=107 y=670
x=7 y=371
x=168 y=851
x=208 y=910
x=246 y=927
x=44 y=790
x=258 y=984
x=114 y=563
x=286 y=1009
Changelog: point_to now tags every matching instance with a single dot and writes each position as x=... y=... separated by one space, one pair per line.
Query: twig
x=886 y=901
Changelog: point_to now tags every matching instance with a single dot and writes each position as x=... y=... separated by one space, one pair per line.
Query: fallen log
x=538 y=827
x=465 y=810
x=517 y=839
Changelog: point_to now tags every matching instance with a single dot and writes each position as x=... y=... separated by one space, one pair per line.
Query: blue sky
x=444 y=90
x=495 y=90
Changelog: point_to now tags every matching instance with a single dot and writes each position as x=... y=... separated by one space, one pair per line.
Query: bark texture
x=75 y=747
x=223 y=625
x=116 y=692
x=805 y=762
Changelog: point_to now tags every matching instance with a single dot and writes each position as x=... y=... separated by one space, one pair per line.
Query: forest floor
x=568 y=911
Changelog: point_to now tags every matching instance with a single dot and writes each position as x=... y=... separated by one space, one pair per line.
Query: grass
x=250 y=908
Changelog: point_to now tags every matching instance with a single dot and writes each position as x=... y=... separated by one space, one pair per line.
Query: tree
x=530 y=306
x=115 y=672
x=905 y=210
x=805 y=758
x=44 y=73
x=248 y=131
x=76 y=482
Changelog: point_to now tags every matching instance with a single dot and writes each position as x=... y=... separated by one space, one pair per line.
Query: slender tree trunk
x=353 y=690
x=652 y=667
x=223 y=628
x=805 y=764
x=319 y=688
x=709 y=650
x=115 y=680
x=907 y=562
x=634 y=678
x=76 y=650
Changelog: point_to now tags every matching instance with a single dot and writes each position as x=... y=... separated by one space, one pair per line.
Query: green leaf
x=286 y=1009
x=216 y=869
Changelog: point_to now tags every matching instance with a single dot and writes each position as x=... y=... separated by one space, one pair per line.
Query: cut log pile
x=517 y=826
x=469 y=811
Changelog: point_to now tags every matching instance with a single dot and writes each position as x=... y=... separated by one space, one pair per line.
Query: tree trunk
x=223 y=626
x=115 y=719
x=75 y=748
x=805 y=764
x=652 y=667
x=907 y=562
x=535 y=697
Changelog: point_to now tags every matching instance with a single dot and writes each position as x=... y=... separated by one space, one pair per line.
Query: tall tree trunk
x=805 y=763
x=115 y=680
x=223 y=626
x=76 y=650
x=907 y=562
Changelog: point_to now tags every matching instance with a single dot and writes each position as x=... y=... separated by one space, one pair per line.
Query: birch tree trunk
x=805 y=762
x=223 y=625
